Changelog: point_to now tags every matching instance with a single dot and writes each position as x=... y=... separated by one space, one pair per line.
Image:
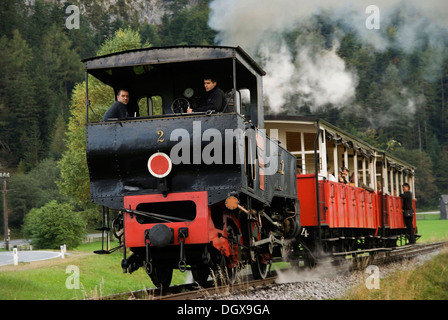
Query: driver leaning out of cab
x=215 y=99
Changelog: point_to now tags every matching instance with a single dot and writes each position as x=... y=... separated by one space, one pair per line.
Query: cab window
x=150 y=106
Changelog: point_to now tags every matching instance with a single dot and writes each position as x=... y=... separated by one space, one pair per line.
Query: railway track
x=192 y=291
x=389 y=255
x=245 y=284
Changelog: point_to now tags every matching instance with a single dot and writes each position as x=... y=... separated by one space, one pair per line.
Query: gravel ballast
x=321 y=283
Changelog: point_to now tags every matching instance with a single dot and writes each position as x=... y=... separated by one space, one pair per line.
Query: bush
x=53 y=225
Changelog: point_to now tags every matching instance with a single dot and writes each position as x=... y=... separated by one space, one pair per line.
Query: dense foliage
x=398 y=99
x=53 y=225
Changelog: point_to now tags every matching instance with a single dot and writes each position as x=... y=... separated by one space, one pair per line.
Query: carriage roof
x=340 y=136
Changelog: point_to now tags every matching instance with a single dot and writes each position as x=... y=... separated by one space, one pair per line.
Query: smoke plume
x=303 y=68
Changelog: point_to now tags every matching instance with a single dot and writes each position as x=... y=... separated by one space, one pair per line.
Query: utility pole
x=5 y=175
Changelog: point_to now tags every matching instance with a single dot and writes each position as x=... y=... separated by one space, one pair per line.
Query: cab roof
x=212 y=57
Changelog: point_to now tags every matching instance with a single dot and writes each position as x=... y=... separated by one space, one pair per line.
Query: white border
x=169 y=167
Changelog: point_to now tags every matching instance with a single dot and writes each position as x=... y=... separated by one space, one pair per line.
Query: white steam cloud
x=310 y=72
x=320 y=78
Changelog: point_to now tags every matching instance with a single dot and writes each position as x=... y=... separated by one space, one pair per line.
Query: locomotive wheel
x=309 y=261
x=231 y=274
x=200 y=274
x=234 y=235
x=223 y=274
x=161 y=276
x=226 y=275
x=259 y=269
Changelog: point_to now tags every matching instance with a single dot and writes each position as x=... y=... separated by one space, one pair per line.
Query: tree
x=124 y=39
x=53 y=225
x=33 y=190
x=148 y=33
x=57 y=69
x=73 y=164
x=426 y=189
x=57 y=145
x=27 y=195
x=61 y=64
x=441 y=171
x=16 y=98
x=189 y=26
x=11 y=15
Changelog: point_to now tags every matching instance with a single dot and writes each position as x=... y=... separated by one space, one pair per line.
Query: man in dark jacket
x=121 y=108
x=215 y=99
x=408 y=211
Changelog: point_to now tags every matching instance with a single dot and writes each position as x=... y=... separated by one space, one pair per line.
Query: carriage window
x=300 y=141
x=301 y=144
x=293 y=141
x=308 y=139
x=150 y=106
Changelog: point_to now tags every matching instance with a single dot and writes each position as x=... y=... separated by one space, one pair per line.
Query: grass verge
x=433 y=230
x=428 y=281
x=99 y=275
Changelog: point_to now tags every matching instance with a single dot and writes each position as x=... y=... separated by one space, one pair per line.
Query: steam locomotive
x=218 y=191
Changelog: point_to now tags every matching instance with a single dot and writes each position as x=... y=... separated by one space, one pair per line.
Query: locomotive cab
x=164 y=81
x=202 y=190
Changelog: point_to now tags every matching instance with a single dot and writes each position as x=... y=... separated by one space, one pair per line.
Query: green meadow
x=99 y=275
x=428 y=281
x=432 y=230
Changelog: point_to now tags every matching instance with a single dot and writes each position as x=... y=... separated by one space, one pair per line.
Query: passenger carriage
x=364 y=214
